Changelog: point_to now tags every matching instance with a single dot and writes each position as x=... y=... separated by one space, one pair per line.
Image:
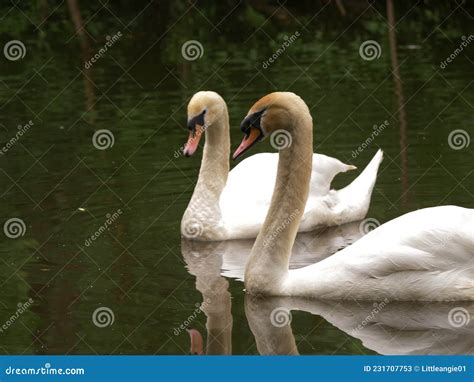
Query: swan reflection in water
x=390 y=327
x=228 y=258
x=386 y=327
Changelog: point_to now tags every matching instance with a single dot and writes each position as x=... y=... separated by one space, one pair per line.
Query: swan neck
x=269 y=259
x=215 y=159
x=204 y=204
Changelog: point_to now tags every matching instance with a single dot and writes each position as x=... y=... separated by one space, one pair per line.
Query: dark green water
x=62 y=187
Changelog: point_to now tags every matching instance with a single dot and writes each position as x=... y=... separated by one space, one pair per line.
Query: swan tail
x=366 y=180
x=356 y=196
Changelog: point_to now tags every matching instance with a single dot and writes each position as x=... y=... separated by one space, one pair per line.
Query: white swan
x=219 y=209
x=424 y=255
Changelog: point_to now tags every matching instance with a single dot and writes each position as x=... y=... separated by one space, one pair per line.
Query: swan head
x=274 y=113
x=204 y=108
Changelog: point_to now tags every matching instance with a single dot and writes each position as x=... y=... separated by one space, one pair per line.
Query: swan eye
x=197 y=120
x=252 y=120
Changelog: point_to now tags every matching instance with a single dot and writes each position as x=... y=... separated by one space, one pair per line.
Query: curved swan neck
x=203 y=208
x=215 y=159
x=269 y=258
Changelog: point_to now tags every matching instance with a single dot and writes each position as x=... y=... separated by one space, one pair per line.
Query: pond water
x=145 y=282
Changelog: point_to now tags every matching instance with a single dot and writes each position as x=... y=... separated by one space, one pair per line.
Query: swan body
x=219 y=210
x=423 y=255
x=243 y=218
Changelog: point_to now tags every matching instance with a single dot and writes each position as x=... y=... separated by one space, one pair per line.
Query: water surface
x=64 y=189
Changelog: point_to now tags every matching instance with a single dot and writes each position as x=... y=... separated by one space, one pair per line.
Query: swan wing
x=336 y=207
x=324 y=170
x=423 y=255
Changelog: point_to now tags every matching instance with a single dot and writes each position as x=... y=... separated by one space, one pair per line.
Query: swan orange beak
x=249 y=140
x=193 y=141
